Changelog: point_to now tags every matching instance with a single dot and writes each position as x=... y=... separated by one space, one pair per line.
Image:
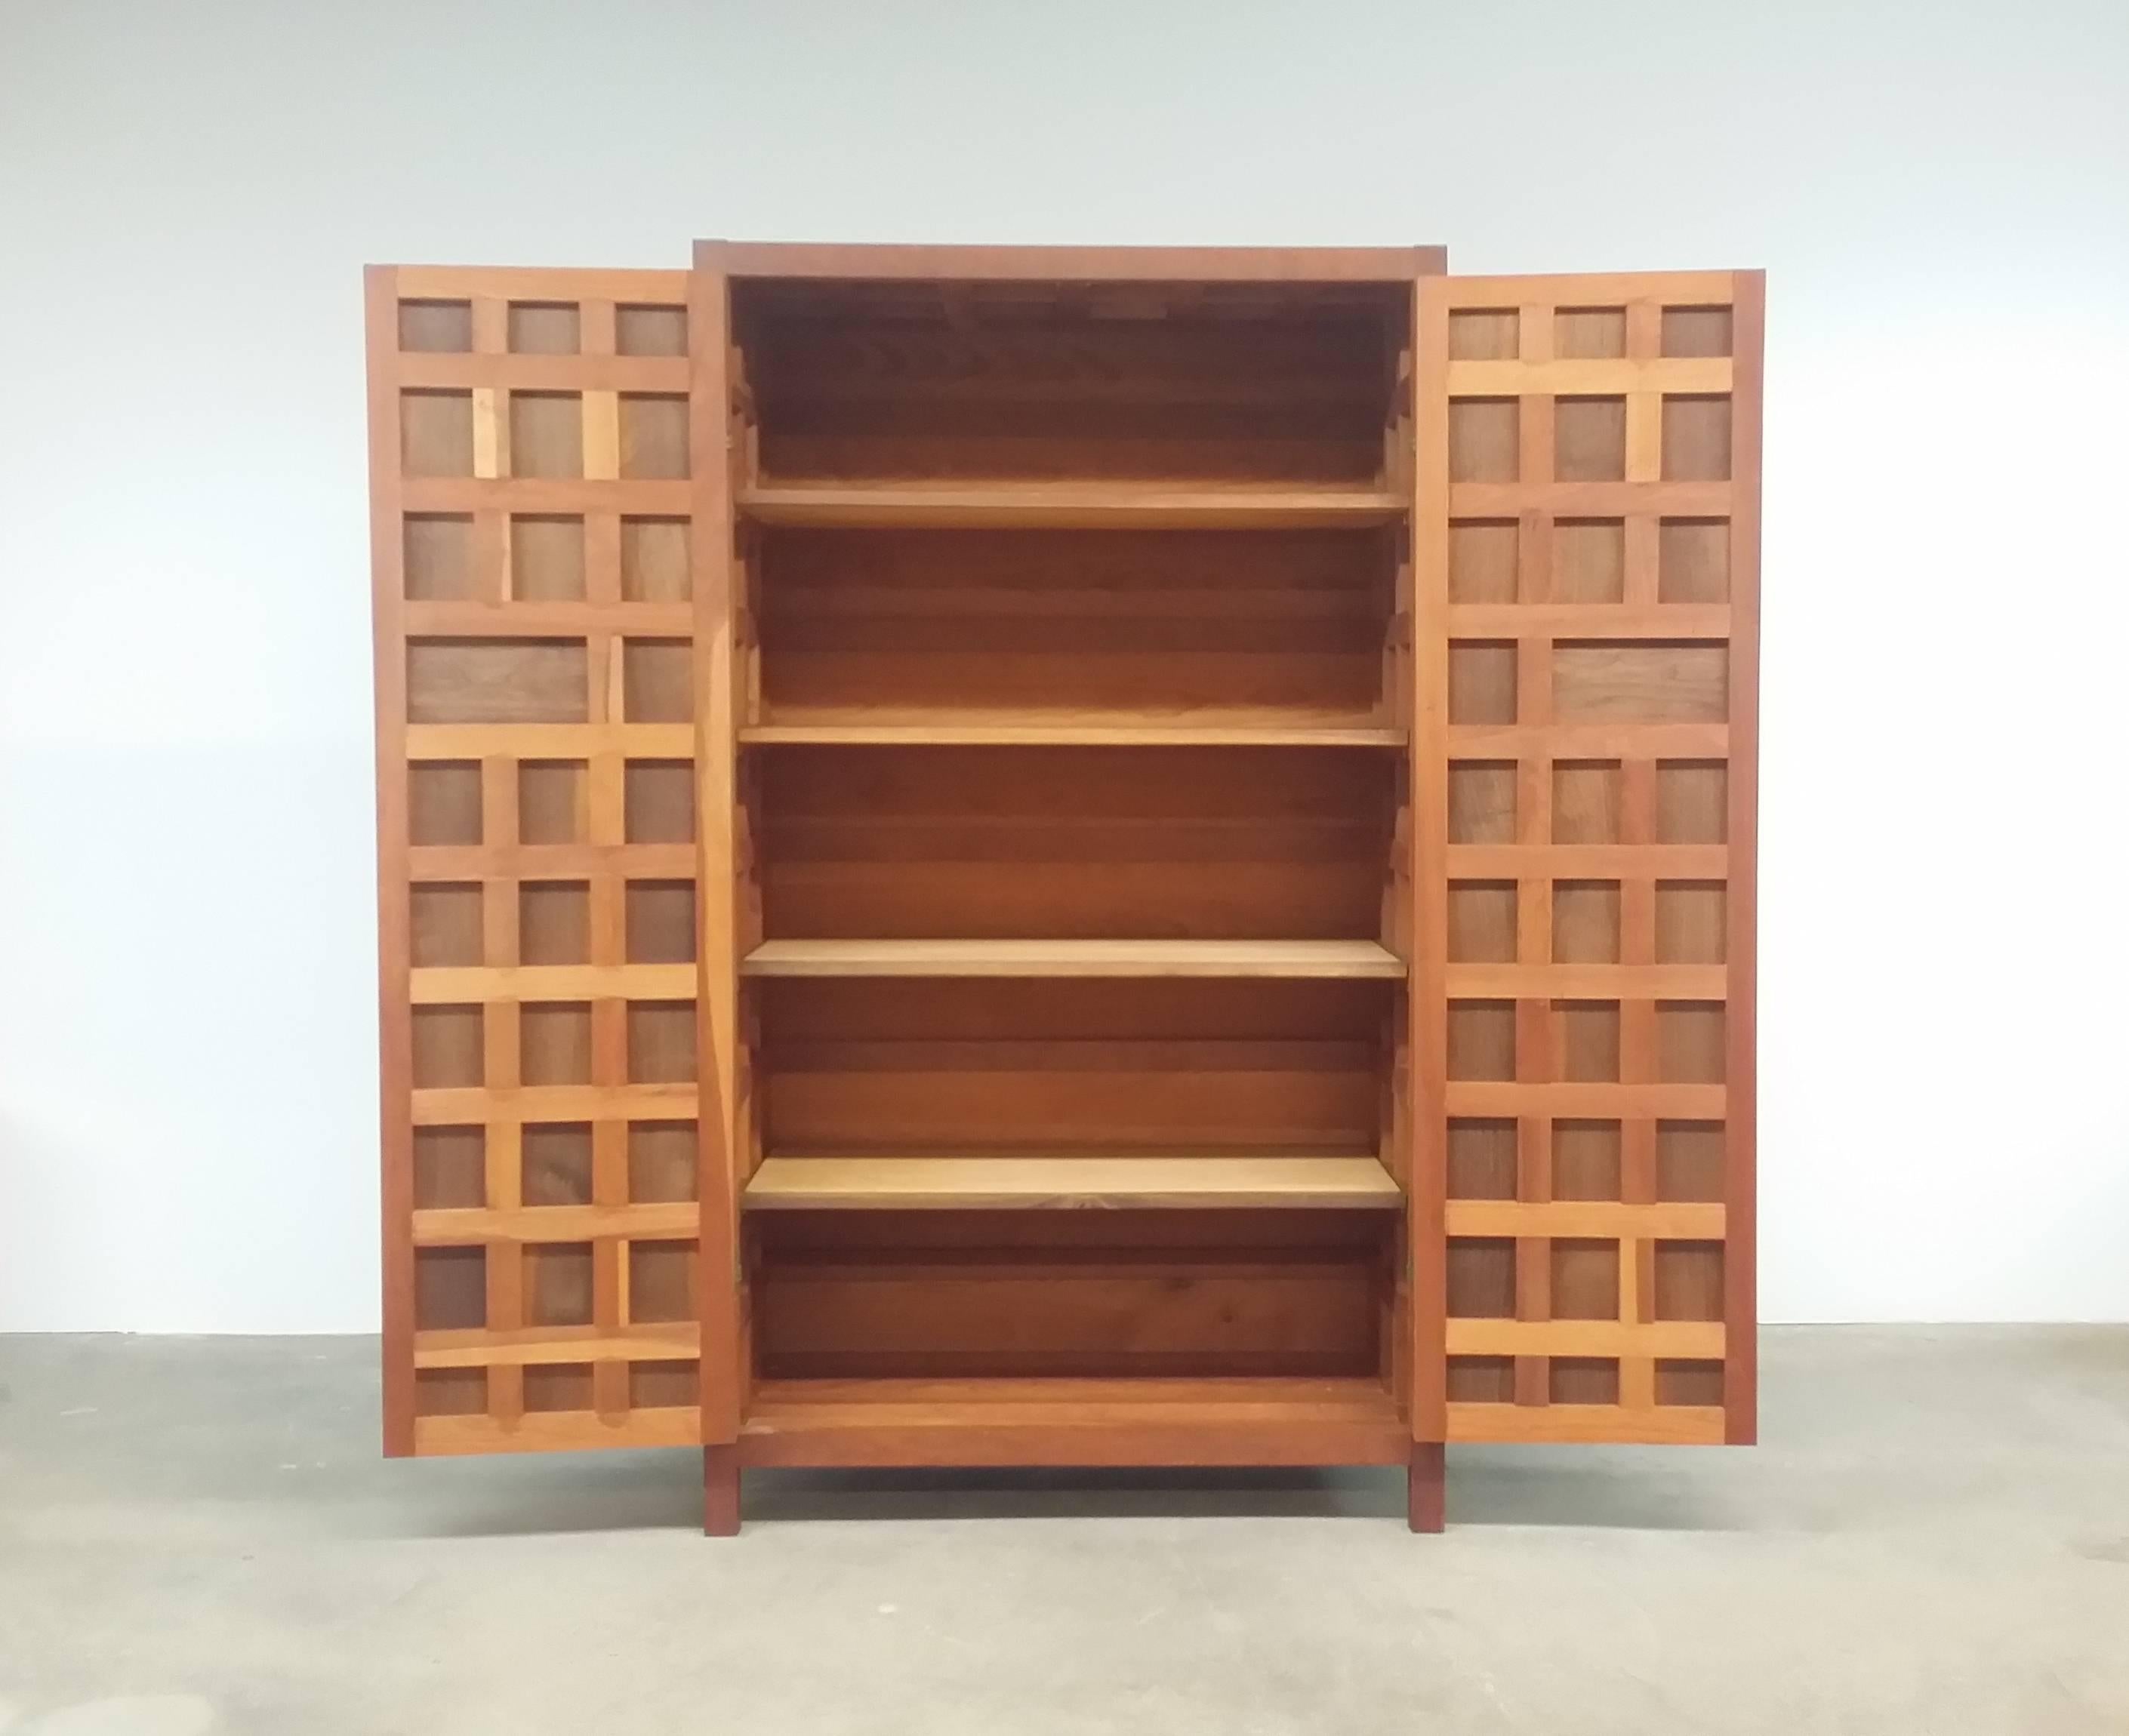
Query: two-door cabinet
x=1024 y=856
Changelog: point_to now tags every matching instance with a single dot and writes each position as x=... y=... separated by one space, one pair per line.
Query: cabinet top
x=1142 y=265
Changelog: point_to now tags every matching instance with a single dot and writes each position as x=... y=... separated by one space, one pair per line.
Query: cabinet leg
x=721 y=1490
x=1426 y=1480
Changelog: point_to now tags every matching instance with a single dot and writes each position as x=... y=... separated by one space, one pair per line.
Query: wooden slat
x=546 y=620
x=1607 y=377
x=462 y=370
x=1689 y=1339
x=556 y=1431
x=1607 y=1219
x=550 y=861
x=1265 y=958
x=538 y=283
x=1589 y=741
x=1588 y=500
x=833 y=1183
x=491 y=433
x=1591 y=289
x=475 y=1348
x=1586 y=982
x=1587 y=861
x=448 y=1227
x=602 y=435
x=550 y=740
x=447 y=1107
x=1662 y=1425
x=1590 y=621
x=1052 y=505
x=653 y=497
x=445 y=985
x=1600 y=1099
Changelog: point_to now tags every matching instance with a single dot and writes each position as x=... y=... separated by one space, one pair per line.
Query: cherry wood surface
x=1021 y=856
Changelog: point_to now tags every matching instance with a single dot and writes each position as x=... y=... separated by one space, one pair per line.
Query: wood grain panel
x=496 y=681
x=1085 y=844
x=906 y=627
x=850 y=382
x=1007 y=1295
x=982 y=1065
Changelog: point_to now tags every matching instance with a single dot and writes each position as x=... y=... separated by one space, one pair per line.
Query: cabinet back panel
x=996 y=1066
x=1182 y=622
x=964 y=381
x=1052 y=843
x=1071 y=1294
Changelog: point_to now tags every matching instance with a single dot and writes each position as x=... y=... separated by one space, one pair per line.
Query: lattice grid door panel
x=535 y=622
x=1587 y=568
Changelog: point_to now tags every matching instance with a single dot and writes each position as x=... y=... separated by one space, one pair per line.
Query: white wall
x=186 y=193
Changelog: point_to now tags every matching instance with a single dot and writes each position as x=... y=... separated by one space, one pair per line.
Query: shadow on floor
x=1518 y=1486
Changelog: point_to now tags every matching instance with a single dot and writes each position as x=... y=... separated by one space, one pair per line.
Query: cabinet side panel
x=1429 y=818
x=1587 y=514
x=1740 y=1304
x=727 y=1156
x=387 y=547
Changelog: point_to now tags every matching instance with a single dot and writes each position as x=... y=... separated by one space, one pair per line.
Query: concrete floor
x=197 y=1536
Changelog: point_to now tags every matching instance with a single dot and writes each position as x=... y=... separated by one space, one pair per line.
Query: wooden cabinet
x=1048 y=856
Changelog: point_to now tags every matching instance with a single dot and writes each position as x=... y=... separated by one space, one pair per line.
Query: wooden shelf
x=877 y=1183
x=1068 y=505
x=1287 y=959
x=1267 y=1421
x=1121 y=729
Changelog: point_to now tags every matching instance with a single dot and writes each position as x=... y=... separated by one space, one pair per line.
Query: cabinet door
x=1586 y=568
x=537 y=858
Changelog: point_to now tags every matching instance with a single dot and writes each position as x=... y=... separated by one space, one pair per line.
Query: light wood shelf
x=1228 y=959
x=1136 y=1421
x=1068 y=505
x=877 y=1183
x=1010 y=729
